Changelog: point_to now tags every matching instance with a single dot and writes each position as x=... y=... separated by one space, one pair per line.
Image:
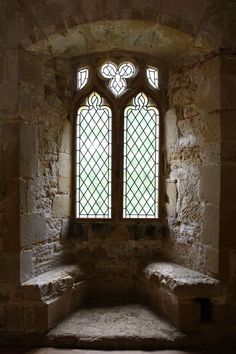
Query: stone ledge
x=51 y=284
x=39 y=303
x=183 y=282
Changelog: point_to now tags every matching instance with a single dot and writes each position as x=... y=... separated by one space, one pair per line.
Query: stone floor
x=122 y=327
x=77 y=351
x=125 y=329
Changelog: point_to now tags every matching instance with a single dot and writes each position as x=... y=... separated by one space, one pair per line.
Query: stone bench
x=184 y=296
x=45 y=299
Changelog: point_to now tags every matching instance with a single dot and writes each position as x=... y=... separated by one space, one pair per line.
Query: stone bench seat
x=181 y=294
x=44 y=300
x=52 y=283
x=183 y=282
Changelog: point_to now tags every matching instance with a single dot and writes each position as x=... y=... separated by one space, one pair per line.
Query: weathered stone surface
x=66 y=140
x=28 y=150
x=64 y=171
x=31 y=69
x=53 y=283
x=111 y=329
x=33 y=229
x=211 y=225
x=43 y=300
x=171 y=131
x=212 y=260
x=181 y=281
x=171 y=192
x=210 y=184
x=26 y=265
x=61 y=206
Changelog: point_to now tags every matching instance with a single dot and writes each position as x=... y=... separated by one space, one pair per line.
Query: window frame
x=117 y=105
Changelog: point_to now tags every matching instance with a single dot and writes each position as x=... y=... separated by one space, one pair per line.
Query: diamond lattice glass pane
x=118 y=76
x=93 y=159
x=152 y=76
x=82 y=78
x=141 y=151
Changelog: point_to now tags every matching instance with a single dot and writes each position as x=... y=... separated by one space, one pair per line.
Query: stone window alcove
x=118 y=87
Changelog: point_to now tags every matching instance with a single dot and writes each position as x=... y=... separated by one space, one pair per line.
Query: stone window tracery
x=117 y=142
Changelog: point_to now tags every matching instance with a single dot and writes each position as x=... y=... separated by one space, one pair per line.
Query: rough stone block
x=28 y=150
x=61 y=206
x=64 y=165
x=26 y=265
x=66 y=140
x=57 y=309
x=64 y=184
x=64 y=171
x=211 y=225
x=171 y=130
x=210 y=184
x=33 y=229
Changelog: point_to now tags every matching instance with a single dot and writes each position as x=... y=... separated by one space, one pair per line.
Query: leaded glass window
x=152 y=76
x=141 y=151
x=117 y=141
x=118 y=76
x=93 y=159
x=82 y=78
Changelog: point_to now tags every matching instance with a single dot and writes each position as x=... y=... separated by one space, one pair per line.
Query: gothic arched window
x=117 y=141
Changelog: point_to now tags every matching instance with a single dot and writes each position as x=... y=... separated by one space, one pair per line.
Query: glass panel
x=141 y=151
x=118 y=76
x=82 y=78
x=93 y=159
x=152 y=76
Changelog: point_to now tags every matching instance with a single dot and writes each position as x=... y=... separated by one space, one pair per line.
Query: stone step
x=184 y=296
x=131 y=326
x=114 y=327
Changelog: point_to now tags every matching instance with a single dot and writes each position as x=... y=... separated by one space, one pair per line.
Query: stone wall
x=227 y=261
x=192 y=133
x=46 y=160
